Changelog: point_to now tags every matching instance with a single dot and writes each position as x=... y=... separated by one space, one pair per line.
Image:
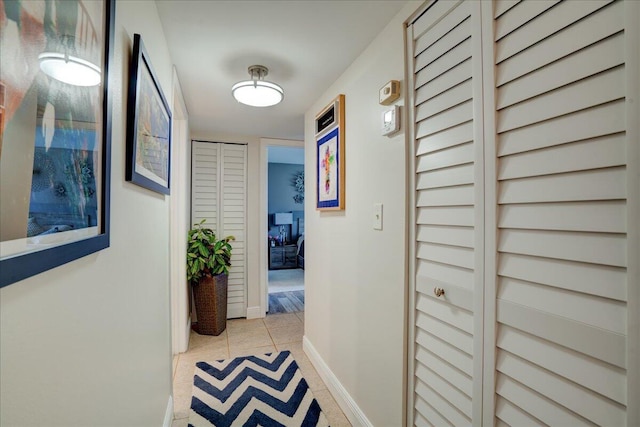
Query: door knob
x=438 y=291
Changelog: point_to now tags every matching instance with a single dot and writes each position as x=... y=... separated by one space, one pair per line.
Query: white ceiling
x=306 y=44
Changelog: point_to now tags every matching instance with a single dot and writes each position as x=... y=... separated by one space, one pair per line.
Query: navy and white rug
x=266 y=390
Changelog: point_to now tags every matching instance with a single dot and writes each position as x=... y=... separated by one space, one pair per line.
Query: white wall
x=355 y=278
x=88 y=343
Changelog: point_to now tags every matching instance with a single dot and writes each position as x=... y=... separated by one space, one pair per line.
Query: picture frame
x=148 y=125
x=54 y=194
x=330 y=158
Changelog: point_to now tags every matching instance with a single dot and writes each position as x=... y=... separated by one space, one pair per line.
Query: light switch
x=377 y=216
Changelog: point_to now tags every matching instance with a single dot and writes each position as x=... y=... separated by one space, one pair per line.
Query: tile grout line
x=269 y=332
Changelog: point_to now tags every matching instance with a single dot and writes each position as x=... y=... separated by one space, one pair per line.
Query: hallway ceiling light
x=69 y=69
x=257 y=92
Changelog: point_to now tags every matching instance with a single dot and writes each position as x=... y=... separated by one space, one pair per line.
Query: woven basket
x=210 y=295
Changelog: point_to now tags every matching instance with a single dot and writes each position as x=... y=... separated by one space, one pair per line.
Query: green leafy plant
x=206 y=254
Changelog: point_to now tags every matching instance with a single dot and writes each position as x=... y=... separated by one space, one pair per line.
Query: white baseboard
x=168 y=415
x=184 y=345
x=255 y=312
x=351 y=410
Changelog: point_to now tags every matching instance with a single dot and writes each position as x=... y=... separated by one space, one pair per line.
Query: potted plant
x=208 y=262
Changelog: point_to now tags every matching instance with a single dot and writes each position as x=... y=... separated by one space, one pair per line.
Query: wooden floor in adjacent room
x=286 y=302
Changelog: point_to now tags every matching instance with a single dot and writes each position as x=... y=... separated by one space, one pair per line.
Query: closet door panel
x=508 y=414
x=596 y=121
x=521 y=15
x=561 y=146
x=588 y=372
x=544 y=25
x=580 y=34
x=451 y=137
x=606 y=151
x=562 y=216
x=205 y=194
x=445 y=96
x=429 y=86
x=582 y=64
x=586 y=278
x=449 y=177
x=219 y=174
x=454 y=236
x=525 y=212
x=602 y=88
x=233 y=222
x=445 y=350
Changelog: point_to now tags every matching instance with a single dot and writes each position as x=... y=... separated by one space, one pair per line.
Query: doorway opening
x=285 y=225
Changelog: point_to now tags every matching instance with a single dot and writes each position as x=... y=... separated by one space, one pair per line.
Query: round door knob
x=438 y=291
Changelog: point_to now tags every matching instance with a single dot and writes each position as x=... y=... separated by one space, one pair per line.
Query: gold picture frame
x=330 y=156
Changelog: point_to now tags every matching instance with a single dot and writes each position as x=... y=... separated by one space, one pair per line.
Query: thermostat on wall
x=390 y=92
x=391 y=120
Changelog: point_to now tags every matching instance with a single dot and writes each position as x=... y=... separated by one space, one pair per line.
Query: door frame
x=265 y=143
x=179 y=218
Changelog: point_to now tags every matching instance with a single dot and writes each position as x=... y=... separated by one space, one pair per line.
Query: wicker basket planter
x=210 y=295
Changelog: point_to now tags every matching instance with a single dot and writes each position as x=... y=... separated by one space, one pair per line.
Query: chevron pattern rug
x=266 y=390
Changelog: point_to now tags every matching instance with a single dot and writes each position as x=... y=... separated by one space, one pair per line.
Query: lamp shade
x=257 y=93
x=69 y=69
x=283 y=218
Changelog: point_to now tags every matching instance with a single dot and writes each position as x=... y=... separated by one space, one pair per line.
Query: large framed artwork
x=55 y=133
x=148 y=125
x=330 y=161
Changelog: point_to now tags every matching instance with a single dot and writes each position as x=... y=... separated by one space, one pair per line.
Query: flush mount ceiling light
x=69 y=69
x=257 y=92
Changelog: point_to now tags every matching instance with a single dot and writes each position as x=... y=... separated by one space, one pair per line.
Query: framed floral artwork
x=330 y=160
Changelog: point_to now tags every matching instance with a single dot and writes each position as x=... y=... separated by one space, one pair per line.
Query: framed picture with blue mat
x=148 y=125
x=55 y=133
x=330 y=160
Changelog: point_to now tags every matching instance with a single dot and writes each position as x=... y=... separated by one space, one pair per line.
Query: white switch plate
x=377 y=216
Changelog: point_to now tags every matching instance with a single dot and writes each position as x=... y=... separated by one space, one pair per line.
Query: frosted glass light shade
x=69 y=69
x=257 y=93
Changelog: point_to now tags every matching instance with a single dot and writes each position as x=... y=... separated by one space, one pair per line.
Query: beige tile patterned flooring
x=244 y=337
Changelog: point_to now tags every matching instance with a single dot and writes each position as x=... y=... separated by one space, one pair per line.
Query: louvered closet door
x=562 y=218
x=233 y=222
x=446 y=359
x=219 y=195
x=205 y=193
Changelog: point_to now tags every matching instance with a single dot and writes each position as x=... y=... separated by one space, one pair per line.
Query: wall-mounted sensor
x=391 y=120
x=390 y=92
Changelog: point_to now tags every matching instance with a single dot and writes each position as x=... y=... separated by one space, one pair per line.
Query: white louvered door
x=447 y=359
x=525 y=213
x=219 y=195
x=562 y=220
x=233 y=222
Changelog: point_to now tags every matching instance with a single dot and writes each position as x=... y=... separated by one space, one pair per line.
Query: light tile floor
x=244 y=337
